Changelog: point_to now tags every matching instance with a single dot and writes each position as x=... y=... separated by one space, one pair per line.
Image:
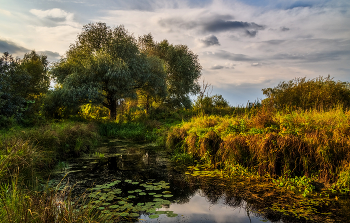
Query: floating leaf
x=151 y=194
x=134 y=214
x=167 y=195
x=135 y=183
x=101 y=208
x=157 y=195
x=171 y=215
x=153 y=216
x=106 y=204
x=142 y=193
x=124 y=214
x=131 y=191
x=131 y=196
x=114 y=206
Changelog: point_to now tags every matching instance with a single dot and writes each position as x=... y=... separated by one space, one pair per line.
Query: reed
x=275 y=143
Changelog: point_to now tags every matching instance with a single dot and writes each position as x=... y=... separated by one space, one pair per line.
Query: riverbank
x=303 y=153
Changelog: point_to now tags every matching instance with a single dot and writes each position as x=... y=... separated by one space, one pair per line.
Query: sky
x=242 y=45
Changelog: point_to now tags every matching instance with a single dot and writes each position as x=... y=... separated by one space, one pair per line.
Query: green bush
x=320 y=93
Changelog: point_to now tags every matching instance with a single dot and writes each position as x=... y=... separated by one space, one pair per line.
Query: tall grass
x=297 y=143
x=25 y=155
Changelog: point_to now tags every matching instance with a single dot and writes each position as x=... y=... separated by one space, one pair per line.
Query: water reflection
x=194 y=199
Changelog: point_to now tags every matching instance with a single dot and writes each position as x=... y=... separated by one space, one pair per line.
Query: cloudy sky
x=243 y=45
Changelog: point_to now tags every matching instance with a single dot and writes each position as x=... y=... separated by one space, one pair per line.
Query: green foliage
x=182 y=68
x=324 y=93
x=210 y=105
x=133 y=131
x=22 y=83
x=105 y=67
x=297 y=144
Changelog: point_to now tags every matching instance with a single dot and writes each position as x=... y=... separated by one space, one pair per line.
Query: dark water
x=193 y=199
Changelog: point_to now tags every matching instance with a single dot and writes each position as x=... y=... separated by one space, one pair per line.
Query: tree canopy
x=105 y=66
x=22 y=82
x=182 y=68
x=321 y=92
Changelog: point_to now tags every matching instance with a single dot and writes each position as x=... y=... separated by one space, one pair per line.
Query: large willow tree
x=104 y=66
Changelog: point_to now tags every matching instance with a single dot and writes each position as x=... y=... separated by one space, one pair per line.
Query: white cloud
x=51 y=13
x=5 y=12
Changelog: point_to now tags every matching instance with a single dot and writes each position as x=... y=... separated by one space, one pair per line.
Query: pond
x=138 y=183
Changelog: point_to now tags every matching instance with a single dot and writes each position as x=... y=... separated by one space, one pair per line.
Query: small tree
x=306 y=94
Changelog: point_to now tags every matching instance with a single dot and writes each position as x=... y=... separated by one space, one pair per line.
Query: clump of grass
x=133 y=131
x=279 y=144
x=51 y=205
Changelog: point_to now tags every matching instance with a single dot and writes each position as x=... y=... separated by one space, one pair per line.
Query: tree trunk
x=113 y=109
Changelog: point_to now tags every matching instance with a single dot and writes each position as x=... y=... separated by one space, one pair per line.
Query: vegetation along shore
x=287 y=155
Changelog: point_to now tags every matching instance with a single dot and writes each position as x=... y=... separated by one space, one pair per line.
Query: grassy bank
x=29 y=154
x=299 y=146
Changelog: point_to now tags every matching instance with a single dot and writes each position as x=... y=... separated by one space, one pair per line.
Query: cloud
x=214 y=23
x=217 y=67
x=11 y=47
x=209 y=41
x=51 y=13
x=251 y=33
x=300 y=4
x=284 y=29
x=222 y=25
x=55 y=16
x=17 y=50
x=223 y=54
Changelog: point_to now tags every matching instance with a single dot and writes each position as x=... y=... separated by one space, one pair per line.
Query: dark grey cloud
x=221 y=25
x=300 y=4
x=51 y=56
x=222 y=54
x=210 y=41
x=13 y=48
x=284 y=29
x=251 y=33
x=274 y=42
x=217 y=67
x=314 y=57
x=212 y=24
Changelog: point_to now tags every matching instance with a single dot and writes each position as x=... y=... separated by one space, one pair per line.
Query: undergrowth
x=295 y=148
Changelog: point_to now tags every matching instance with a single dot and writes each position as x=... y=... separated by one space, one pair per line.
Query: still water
x=142 y=174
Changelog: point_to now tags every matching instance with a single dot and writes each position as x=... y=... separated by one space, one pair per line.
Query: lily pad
x=134 y=214
x=157 y=195
x=168 y=195
x=152 y=194
x=114 y=206
x=171 y=215
x=153 y=216
x=135 y=183
x=131 y=196
x=142 y=193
